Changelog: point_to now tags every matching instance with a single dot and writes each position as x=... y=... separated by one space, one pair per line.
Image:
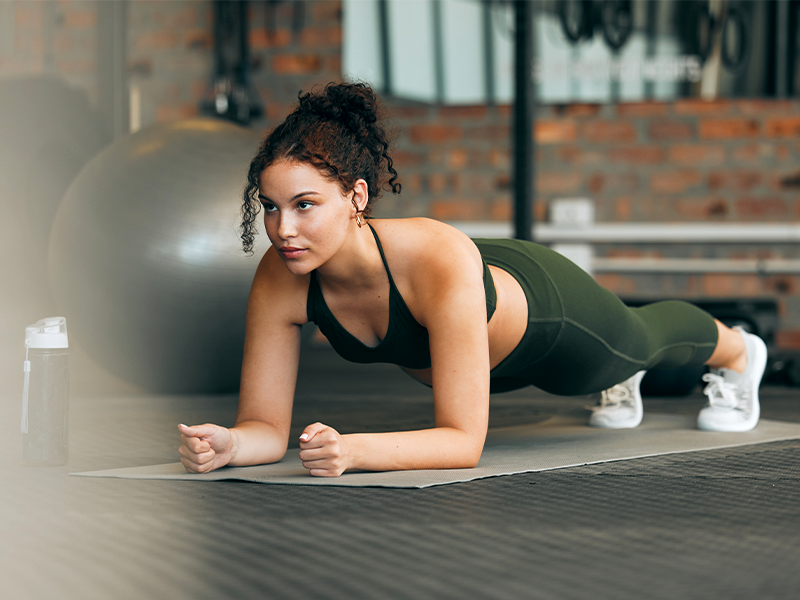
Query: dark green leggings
x=580 y=337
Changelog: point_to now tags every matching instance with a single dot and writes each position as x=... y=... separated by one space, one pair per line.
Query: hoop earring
x=359 y=222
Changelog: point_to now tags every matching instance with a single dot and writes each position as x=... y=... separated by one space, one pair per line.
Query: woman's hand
x=205 y=447
x=323 y=451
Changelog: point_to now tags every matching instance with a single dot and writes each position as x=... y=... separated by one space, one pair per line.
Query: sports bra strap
x=383 y=256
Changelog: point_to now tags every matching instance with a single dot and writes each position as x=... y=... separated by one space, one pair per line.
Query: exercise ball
x=145 y=258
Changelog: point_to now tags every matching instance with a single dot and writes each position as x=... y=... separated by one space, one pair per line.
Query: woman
x=462 y=316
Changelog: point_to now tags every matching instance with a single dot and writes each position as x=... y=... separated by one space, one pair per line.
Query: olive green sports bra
x=406 y=341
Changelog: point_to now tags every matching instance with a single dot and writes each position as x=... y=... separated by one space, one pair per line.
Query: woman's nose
x=286 y=226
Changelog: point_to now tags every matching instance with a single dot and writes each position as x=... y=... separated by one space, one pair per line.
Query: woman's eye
x=302 y=205
x=268 y=207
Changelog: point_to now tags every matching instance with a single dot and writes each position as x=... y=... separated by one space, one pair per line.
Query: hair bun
x=352 y=104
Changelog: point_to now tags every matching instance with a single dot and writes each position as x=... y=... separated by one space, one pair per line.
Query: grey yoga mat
x=553 y=444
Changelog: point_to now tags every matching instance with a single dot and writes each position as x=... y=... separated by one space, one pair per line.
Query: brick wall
x=729 y=160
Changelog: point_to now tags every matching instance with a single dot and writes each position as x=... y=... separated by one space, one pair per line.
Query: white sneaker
x=620 y=406
x=733 y=397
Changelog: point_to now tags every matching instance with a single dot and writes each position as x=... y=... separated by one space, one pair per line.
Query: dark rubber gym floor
x=713 y=524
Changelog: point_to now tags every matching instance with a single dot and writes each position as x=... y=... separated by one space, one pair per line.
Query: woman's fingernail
x=182 y=425
x=304 y=436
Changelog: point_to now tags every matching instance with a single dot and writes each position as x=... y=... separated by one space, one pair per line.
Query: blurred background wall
x=682 y=156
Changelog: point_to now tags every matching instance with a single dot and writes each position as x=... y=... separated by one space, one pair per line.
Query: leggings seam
x=624 y=356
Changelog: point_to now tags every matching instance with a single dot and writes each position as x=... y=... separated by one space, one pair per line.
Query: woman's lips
x=291 y=251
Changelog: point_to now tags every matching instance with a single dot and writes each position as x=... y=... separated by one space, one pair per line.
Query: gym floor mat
x=557 y=443
x=697 y=525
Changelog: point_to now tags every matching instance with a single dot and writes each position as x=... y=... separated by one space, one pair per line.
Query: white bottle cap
x=47 y=333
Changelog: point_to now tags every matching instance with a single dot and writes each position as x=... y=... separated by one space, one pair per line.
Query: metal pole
x=112 y=66
x=524 y=107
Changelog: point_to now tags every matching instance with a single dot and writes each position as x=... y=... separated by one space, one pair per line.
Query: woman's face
x=306 y=215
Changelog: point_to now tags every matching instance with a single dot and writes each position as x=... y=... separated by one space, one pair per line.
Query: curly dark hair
x=336 y=130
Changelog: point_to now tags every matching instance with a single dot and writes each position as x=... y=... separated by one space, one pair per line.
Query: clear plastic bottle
x=45 y=396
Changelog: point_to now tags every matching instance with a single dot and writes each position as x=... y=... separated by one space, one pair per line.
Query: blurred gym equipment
x=145 y=256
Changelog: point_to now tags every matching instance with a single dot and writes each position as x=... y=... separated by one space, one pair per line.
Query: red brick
x=457 y=210
x=753 y=152
x=555 y=132
x=463 y=112
x=636 y=155
x=502 y=182
x=783 y=127
x=728 y=128
x=578 y=110
x=287 y=64
x=674 y=182
x=578 y=156
x=642 y=109
x=412 y=183
x=434 y=134
x=156 y=40
x=404 y=158
x=80 y=19
x=694 y=106
x=409 y=112
x=757 y=107
x=608 y=131
x=738 y=285
x=334 y=65
x=670 y=130
x=497 y=133
x=788 y=339
x=539 y=211
x=501 y=209
x=438 y=183
x=276 y=110
x=262 y=38
x=782 y=284
x=623 y=208
x=785 y=181
x=457 y=158
x=602 y=182
x=619 y=284
x=326 y=11
x=693 y=154
x=738 y=180
x=321 y=36
x=504 y=110
x=499 y=158
x=552 y=182
x=761 y=208
x=702 y=209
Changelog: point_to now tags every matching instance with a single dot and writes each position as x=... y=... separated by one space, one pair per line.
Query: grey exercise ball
x=146 y=261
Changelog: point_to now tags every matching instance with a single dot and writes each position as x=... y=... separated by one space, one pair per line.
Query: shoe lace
x=615 y=396
x=721 y=393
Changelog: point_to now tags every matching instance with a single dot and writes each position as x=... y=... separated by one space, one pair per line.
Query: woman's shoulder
x=411 y=234
x=425 y=243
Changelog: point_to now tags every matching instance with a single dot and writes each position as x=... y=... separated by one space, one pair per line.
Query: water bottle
x=45 y=393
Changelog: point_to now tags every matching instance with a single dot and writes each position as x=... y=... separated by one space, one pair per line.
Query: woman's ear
x=361 y=194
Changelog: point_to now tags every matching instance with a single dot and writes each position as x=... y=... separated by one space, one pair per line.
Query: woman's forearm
x=256 y=443
x=439 y=448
